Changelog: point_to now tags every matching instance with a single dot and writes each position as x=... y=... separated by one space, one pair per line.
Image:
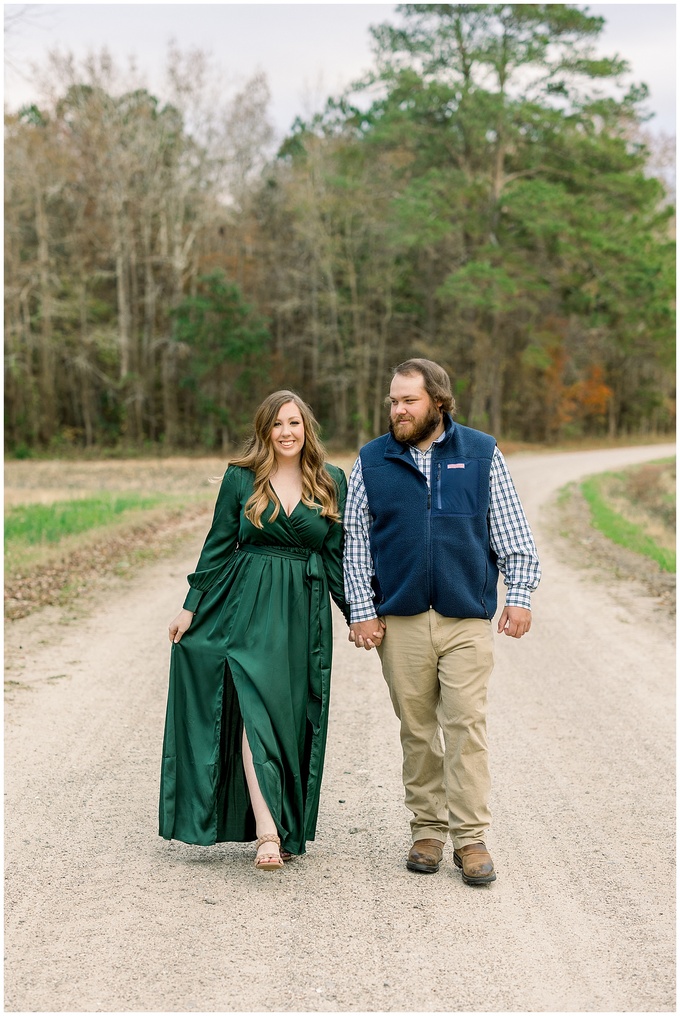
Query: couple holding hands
x=410 y=551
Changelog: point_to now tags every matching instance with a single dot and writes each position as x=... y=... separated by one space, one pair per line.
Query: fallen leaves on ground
x=78 y=571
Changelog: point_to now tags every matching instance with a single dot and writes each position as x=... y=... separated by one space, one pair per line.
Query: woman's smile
x=288 y=432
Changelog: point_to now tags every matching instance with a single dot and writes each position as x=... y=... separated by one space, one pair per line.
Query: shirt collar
x=437 y=440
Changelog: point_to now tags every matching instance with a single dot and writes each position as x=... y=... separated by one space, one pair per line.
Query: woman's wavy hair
x=318 y=486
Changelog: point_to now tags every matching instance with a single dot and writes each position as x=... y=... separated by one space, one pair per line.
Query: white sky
x=307 y=51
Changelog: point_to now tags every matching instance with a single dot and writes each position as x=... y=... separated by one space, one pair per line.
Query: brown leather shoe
x=475 y=863
x=425 y=855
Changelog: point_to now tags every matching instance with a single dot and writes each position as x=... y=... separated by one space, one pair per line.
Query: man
x=431 y=517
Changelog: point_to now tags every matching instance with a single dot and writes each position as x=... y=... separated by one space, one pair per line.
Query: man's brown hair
x=435 y=379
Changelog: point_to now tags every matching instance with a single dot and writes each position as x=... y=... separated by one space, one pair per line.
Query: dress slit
x=235 y=818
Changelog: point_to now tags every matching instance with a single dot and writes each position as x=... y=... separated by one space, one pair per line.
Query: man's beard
x=420 y=431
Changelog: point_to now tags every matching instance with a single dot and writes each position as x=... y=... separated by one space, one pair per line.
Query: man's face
x=413 y=414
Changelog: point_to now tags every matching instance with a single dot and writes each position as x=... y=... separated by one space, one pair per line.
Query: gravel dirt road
x=103 y=916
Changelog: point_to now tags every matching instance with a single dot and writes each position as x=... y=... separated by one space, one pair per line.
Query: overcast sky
x=308 y=51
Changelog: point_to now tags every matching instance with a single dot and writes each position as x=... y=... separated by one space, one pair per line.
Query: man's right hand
x=367 y=634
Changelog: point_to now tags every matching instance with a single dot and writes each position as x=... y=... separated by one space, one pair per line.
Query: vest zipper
x=429 y=545
x=439 y=486
x=486 y=576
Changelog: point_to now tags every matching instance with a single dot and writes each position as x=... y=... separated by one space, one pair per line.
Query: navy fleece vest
x=431 y=548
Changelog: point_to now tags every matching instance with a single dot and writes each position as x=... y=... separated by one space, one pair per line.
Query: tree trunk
x=612 y=413
x=478 y=416
x=496 y=372
x=148 y=330
x=123 y=298
x=88 y=409
x=31 y=428
x=496 y=401
x=46 y=369
x=315 y=343
x=361 y=354
x=169 y=386
x=340 y=390
x=379 y=393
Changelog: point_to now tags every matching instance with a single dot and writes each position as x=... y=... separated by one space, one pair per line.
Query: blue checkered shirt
x=509 y=535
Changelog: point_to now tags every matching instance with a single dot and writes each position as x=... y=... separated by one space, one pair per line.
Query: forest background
x=479 y=198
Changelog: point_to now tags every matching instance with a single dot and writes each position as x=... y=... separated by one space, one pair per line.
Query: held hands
x=181 y=624
x=367 y=634
x=515 y=622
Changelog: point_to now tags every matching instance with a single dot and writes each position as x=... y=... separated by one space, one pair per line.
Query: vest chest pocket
x=456 y=487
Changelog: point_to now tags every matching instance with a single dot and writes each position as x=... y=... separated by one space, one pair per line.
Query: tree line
x=480 y=197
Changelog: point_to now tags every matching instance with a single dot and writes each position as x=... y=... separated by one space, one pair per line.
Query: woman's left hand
x=367 y=634
x=181 y=624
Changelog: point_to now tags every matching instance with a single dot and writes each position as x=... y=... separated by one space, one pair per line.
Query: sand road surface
x=103 y=915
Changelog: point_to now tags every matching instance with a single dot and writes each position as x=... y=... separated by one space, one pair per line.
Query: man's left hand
x=515 y=622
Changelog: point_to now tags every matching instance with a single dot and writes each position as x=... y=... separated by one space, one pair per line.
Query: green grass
x=34 y=524
x=621 y=530
x=564 y=494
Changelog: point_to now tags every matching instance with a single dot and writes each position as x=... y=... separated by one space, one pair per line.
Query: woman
x=247 y=712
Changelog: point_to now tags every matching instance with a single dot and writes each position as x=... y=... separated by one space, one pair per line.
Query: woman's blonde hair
x=318 y=487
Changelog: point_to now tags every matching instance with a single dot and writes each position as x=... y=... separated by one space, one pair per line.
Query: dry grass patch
x=643 y=497
x=55 y=480
x=636 y=509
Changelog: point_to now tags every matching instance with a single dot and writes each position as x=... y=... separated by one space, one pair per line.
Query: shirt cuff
x=194 y=597
x=517 y=596
x=364 y=611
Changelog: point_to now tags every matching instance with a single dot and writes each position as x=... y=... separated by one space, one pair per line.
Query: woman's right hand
x=181 y=624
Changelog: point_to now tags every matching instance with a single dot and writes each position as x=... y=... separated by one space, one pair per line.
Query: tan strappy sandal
x=268 y=862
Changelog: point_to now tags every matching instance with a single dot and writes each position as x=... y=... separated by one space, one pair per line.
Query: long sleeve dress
x=257 y=654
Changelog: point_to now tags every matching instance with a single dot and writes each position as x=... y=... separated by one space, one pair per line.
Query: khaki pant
x=437 y=670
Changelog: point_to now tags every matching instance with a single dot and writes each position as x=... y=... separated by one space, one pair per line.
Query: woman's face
x=288 y=433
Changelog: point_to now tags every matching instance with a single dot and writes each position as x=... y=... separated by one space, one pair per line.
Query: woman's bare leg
x=264 y=823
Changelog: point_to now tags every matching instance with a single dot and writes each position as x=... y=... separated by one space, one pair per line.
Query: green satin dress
x=258 y=653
